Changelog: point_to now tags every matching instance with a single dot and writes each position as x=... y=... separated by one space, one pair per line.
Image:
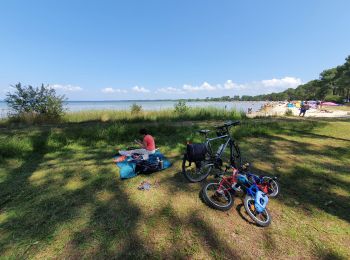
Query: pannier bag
x=196 y=152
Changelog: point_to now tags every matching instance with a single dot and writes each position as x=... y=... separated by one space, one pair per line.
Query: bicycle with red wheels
x=219 y=195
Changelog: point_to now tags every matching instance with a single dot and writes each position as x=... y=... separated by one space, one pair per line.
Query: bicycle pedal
x=238 y=189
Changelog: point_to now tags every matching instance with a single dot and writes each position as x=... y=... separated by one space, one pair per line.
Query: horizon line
x=121 y=100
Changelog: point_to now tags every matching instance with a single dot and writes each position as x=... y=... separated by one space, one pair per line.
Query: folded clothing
x=145 y=185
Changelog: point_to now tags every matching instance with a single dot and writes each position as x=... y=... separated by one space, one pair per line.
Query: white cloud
x=232 y=88
x=229 y=84
x=204 y=87
x=140 y=89
x=171 y=90
x=228 y=87
x=113 y=90
x=286 y=82
x=66 y=88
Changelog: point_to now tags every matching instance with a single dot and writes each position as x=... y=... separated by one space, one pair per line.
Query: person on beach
x=304 y=106
x=147 y=145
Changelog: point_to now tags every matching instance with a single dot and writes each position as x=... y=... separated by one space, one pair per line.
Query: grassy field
x=61 y=196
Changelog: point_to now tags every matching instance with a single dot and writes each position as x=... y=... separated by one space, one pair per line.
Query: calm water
x=147 y=105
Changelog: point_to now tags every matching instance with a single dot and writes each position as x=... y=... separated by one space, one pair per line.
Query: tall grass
x=129 y=116
x=15 y=146
x=194 y=114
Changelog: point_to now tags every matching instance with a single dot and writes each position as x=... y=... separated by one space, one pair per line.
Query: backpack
x=196 y=152
x=147 y=167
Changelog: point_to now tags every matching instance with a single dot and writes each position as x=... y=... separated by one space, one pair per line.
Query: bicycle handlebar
x=228 y=124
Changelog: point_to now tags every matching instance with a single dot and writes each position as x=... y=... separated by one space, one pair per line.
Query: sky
x=169 y=49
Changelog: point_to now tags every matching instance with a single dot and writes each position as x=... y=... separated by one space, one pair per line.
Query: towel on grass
x=127 y=165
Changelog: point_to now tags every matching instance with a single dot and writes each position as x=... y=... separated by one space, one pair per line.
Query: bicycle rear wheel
x=272 y=186
x=196 y=171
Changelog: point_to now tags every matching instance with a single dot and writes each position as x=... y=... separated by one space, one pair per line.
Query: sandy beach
x=280 y=109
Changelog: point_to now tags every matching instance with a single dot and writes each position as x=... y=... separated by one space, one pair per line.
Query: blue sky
x=115 y=50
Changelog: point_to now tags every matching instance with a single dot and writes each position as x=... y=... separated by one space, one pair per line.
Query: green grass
x=129 y=116
x=61 y=196
x=164 y=115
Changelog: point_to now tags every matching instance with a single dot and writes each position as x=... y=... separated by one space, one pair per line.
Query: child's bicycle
x=220 y=195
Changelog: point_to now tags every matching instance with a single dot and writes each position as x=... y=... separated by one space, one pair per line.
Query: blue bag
x=130 y=168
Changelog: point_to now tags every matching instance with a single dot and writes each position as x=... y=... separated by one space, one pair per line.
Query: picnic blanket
x=128 y=165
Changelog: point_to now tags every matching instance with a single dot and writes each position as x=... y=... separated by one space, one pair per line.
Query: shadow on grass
x=240 y=208
x=15 y=187
x=309 y=183
x=328 y=254
x=110 y=231
x=315 y=189
x=310 y=180
x=37 y=213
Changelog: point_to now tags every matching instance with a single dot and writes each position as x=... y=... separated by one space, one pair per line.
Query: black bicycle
x=200 y=159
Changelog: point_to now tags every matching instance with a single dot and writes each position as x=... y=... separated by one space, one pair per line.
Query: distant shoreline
x=159 y=100
x=149 y=105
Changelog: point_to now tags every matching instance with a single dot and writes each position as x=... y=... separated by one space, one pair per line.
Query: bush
x=135 y=108
x=181 y=107
x=35 y=104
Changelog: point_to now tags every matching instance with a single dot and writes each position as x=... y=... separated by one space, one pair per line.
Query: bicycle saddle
x=204 y=131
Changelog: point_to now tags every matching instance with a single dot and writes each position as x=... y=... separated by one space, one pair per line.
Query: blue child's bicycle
x=255 y=201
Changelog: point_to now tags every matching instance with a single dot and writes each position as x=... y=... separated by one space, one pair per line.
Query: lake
x=73 y=106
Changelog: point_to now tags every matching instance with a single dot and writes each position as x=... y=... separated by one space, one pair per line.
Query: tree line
x=333 y=85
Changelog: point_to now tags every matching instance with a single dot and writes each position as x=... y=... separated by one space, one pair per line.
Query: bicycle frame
x=211 y=159
x=249 y=188
x=228 y=181
x=215 y=156
x=207 y=143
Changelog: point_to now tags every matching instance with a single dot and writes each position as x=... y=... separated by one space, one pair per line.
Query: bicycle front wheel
x=263 y=219
x=196 y=171
x=216 y=197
